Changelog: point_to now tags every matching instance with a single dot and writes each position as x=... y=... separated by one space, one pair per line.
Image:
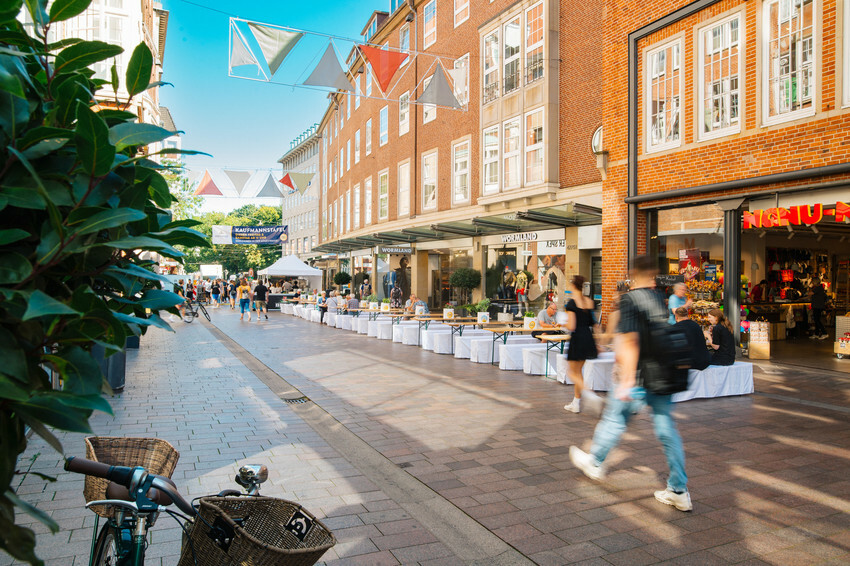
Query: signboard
x=787 y=275
x=689 y=263
x=211 y=270
x=661 y=281
x=395 y=249
x=796 y=215
x=250 y=234
x=711 y=272
x=521 y=237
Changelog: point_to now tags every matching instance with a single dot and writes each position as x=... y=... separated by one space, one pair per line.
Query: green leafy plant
x=385 y=300
x=342 y=278
x=528 y=314
x=81 y=205
x=475 y=308
x=373 y=298
x=465 y=279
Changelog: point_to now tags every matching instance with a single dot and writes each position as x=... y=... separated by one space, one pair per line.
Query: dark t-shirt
x=632 y=304
x=725 y=355
x=215 y=289
x=260 y=292
x=697 y=341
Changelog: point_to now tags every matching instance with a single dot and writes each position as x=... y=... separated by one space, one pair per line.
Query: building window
x=368 y=79
x=383 y=195
x=512 y=47
x=348 y=211
x=430 y=25
x=664 y=88
x=429 y=180
x=347 y=155
x=491 y=160
x=357 y=147
x=404 y=189
x=347 y=107
x=491 y=67
x=384 y=123
x=404 y=113
x=356 y=210
x=336 y=219
x=461 y=79
x=790 y=59
x=461 y=11
x=341 y=160
x=429 y=111
x=404 y=42
x=534 y=147
x=719 y=54
x=368 y=136
x=510 y=153
x=367 y=198
x=357 y=92
x=341 y=117
x=534 y=43
x=460 y=173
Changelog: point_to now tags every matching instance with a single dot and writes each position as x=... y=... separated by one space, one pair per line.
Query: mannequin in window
x=522 y=290
x=508 y=284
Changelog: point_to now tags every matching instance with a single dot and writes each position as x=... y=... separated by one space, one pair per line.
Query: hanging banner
x=250 y=234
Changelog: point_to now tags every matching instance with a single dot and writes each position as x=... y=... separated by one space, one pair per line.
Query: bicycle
x=190 y=312
x=136 y=498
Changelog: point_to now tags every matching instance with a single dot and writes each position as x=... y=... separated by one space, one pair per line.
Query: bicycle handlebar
x=123 y=476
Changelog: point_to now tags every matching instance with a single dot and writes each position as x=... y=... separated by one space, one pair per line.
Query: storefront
x=392 y=268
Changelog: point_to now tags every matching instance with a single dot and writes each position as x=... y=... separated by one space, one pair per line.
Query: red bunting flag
x=287 y=181
x=207 y=186
x=384 y=63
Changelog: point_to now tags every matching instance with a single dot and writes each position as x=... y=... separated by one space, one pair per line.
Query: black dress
x=582 y=344
x=725 y=354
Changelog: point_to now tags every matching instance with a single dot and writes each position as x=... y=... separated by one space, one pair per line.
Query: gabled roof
x=167 y=119
x=376 y=15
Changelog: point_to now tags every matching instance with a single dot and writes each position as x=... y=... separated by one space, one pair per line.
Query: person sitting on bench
x=695 y=338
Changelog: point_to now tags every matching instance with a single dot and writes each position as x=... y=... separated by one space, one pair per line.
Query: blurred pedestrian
x=243 y=292
x=582 y=346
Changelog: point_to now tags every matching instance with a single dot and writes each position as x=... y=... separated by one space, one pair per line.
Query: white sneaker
x=574 y=407
x=587 y=464
x=681 y=501
x=592 y=402
x=823 y=336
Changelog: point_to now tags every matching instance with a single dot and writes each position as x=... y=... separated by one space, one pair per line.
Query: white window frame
x=384 y=194
x=348 y=211
x=341 y=115
x=534 y=147
x=430 y=204
x=462 y=94
x=658 y=73
x=404 y=113
x=356 y=206
x=767 y=65
x=347 y=107
x=460 y=170
x=368 y=80
x=367 y=199
x=336 y=219
x=367 y=134
x=530 y=47
x=491 y=73
x=348 y=155
x=727 y=43
x=461 y=11
x=403 y=192
x=384 y=126
x=515 y=58
x=516 y=154
x=491 y=188
x=429 y=39
x=357 y=92
x=341 y=160
x=429 y=111
x=404 y=42
x=357 y=147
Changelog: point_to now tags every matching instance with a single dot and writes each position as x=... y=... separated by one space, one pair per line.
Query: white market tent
x=291 y=266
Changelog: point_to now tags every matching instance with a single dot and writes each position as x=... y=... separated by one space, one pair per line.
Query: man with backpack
x=646 y=377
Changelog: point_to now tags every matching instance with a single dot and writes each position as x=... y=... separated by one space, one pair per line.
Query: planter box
x=420 y=310
x=448 y=313
x=483 y=317
x=385 y=307
x=374 y=306
x=505 y=316
x=529 y=323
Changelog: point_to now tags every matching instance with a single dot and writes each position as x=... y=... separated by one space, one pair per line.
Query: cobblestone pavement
x=768 y=472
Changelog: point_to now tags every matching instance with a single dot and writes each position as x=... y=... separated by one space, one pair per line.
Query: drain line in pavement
x=468 y=539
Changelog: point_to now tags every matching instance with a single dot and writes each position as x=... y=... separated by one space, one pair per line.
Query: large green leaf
x=14 y=113
x=110 y=219
x=84 y=54
x=33 y=511
x=14 y=268
x=127 y=134
x=14 y=361
x=158 y=189
x=151 y=320
x=66 y=9
x=11 y=390
x=41 y=133
x=140 y=272
x=157 y=299
x=42 y=148
x=141 y=242
x=184 y=237
x=18 y=541
x=12 y=235
x=50 y=410
x=38 y=11
x=42 y=304
x=92 y=139
x=9 y=10
x=139 y=69
x=9 y=79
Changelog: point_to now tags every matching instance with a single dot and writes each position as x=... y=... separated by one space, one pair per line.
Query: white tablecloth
x=385 y=330
x=718 y=381
x=398 y=329
x=330 y=318
x=533 y=361
x=433 y=330
x=344 y=322
x=443 y=341
x=315 y=316
x=481 y=349
x=286 y=308
x=372 y=329
x=362 y=324
x=410 y=335
x=511 y=355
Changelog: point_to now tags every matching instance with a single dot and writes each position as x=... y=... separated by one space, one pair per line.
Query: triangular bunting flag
x=239 y=52
x=384 y=63
x=302 y=180
x=207 y=186
x=328 y=72
x=239 y=178
x=458 y=80
x=275 y=43
x=439 y=92
x=287 y=181
x=270 y=189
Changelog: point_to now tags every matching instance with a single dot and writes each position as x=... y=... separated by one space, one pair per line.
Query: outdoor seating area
x=509 y=346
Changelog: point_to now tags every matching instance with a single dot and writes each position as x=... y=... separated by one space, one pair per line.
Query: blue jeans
x=613 y=424
x=245 y=306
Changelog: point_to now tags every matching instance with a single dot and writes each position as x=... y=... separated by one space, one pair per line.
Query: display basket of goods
x=702 y=306
x=260 y=531
x=842 y=336
x=758 y=347
x=155 y=455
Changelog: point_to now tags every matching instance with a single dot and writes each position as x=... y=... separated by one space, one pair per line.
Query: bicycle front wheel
x=106 y=548
x=189 y=314
x=204 y=310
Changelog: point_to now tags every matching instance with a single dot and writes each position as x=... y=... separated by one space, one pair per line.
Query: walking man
x=260 y=295
x=637 y=309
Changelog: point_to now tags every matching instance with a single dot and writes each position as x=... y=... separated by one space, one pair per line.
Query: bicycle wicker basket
x=155 y=455
x=255 y=531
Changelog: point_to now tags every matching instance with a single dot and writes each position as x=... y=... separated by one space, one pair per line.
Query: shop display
x=842 y=336
x=759 y=340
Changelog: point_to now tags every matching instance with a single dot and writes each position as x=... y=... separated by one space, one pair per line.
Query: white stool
x=372 y=328
x=443 y=341
x=330 y=318
x=598 y=374
x=398 y=329
x=315 y=316
x=286 y=308
x=433 y=330
x=385 y=330
x=410 y=335
x=536 y=360
x=481 y=350
x=345 y=322
x=362 y=324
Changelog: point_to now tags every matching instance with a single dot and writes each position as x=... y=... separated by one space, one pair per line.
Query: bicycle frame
x=129 y=530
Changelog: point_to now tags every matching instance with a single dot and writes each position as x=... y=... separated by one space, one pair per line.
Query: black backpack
x=666 y=354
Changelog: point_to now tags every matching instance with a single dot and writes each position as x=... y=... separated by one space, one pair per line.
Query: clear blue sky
x=246 y=124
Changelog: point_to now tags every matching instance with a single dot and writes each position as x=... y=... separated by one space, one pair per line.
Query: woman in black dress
x=720 y=340
x=582 y=345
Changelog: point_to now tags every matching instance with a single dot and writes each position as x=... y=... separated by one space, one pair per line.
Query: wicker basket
x=153 y=454
x=260 y=531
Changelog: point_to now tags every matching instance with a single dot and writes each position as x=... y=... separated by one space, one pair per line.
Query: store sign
x=521 y=237
x=794 y=215
x=394 y=250
x=711 y=272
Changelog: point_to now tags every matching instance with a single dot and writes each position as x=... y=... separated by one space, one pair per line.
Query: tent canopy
x=291 y=266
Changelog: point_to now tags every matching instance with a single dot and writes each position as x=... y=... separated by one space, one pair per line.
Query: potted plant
x=385 y=305
x=482 y=313
x=373 y=301
x=465 y=279
x=529 y=321
x=342 y=278
x=448 y=310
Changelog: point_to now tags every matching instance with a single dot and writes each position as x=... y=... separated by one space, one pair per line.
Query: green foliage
x=373 y=298
x=528 y=314
x=385 y=300
x=481 y=306
x=342 y=278
x=465 y=279
x=81 y=202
